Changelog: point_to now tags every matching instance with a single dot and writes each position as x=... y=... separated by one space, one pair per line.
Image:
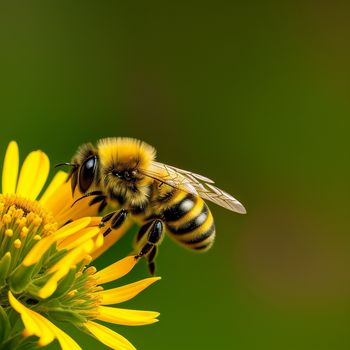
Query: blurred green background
x=253 y=94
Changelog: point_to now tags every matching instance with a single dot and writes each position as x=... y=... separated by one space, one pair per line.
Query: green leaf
x=20 y=278
x=5 y=326
x=65 y=284
x=19 y=343
x=5 y=263
x=65 y=315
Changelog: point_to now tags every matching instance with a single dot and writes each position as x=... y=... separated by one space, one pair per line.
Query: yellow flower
x=46 y=247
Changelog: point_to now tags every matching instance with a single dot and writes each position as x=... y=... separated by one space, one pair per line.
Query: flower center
x=18 y=211
x=63 y=273
x=22 y=223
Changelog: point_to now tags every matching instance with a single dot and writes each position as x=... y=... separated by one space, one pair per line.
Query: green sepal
x=13 y=317
x=65 y=315
x=5 y=263
x=55 y=257
x=37 y=267
x=19 y=343
x=33 y=290
x=20 y=278
x=42 y=280
x=65 y=284
x=29 y=344
x=5 y=326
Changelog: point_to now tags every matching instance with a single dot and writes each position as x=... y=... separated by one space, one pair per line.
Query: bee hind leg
x=151 y=257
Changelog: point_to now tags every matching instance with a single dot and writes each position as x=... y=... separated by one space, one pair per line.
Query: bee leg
x=152 y=268
x=151 y=260
x=117 y=219
x=141 y=234
x=101 y=199
x=155 y=234
x=102 y=206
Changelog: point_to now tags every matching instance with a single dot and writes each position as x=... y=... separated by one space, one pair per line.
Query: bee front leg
x=155 y=234
x=116 y=219
x=105 y=219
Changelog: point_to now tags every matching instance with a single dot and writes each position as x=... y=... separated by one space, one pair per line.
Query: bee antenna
x=94 y=193
x=69 y=164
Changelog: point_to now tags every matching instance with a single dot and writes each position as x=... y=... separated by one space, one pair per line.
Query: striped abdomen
x=189 y=221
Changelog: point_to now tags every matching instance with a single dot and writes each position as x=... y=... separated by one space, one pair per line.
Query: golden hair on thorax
x=125 y=150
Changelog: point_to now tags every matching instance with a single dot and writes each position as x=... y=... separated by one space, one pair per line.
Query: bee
x=123 y=173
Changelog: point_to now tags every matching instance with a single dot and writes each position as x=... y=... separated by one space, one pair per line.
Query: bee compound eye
x=87 y=173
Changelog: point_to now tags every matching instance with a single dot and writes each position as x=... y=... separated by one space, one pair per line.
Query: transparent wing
x=194 y=183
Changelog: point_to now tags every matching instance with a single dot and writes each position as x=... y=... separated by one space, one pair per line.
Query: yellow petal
x=112 y=238
x=126 y=317
x=116 y=270
x=41 y=247
x=66 y=342
x=61 y=205
x=95 y=221
x=108 y=337
x=38 y=250
x=80 y=209
x=60 y=200
x=31 y=326
x=99 y=241
x=33 y=175
x=127 y=292
x=72 y=228
x=73 y=256
x=46 y=336
x=58 y=180
x=10 y=168
x=34 y=323
x=78 y=238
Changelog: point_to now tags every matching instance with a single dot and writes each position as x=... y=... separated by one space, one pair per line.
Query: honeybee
x=123 y=173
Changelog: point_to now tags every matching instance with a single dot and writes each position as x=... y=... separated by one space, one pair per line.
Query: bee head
x=127 y=175
x=121 y=162
x=125 y=184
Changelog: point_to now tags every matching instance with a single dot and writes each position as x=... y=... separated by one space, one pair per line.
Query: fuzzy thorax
x=124 y=152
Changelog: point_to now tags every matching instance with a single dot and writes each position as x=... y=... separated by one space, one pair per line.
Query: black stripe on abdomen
x=192 y=224
x=180 y=209
x=203 y=246
x=201 y=236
